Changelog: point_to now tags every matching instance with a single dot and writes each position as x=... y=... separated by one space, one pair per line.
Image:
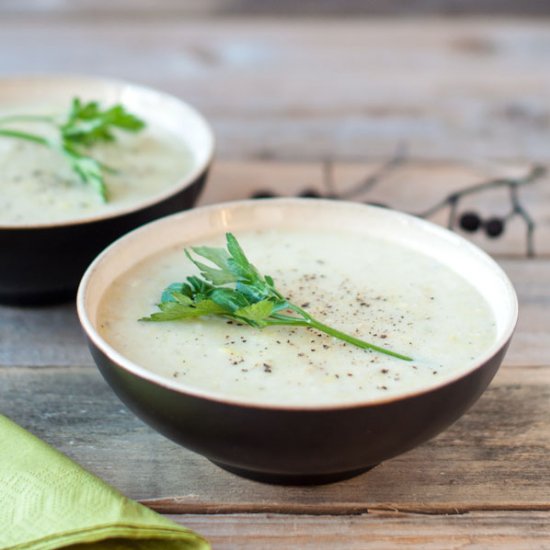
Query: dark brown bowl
x=296 y=444
x=43 y=263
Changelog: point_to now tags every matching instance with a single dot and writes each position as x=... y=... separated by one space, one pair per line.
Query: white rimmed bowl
x=289 y=443
x=43 y=262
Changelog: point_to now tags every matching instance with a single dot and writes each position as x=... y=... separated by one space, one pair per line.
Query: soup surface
x=376 y=290
x=38 y=186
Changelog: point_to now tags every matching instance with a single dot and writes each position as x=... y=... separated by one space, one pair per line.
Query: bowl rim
x=123 y=362
x=186 y=180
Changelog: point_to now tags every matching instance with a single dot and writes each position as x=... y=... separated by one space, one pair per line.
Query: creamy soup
x=376 y=290
x=38 y=186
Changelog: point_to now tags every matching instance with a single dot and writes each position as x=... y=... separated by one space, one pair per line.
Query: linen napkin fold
x=47 y=501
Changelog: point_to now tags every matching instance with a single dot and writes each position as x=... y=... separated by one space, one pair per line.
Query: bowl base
x=293 y=479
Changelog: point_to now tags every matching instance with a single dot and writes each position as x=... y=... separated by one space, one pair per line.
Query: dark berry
x=263 y=195
x=310 y=193
x=470 y=221
x=494 y=227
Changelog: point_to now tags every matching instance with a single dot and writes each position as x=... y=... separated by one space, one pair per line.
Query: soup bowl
x=43 y=262
x=296 y=443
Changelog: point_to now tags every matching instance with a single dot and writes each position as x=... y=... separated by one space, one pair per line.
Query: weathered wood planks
x=375 y=531
x=283 y=96
x=302 y=89
x=493 y=458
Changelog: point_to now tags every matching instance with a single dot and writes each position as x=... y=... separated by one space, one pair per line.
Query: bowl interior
x=190 y=227
x=160 y=110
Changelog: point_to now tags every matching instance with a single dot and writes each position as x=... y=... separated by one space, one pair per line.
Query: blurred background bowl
x=296 y=444
x=42 y=263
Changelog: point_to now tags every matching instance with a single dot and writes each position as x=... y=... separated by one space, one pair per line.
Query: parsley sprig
x=236 y=290
x=85 y=125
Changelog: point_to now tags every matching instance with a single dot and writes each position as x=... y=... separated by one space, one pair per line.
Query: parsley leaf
x=86 y=125
x=236 y=290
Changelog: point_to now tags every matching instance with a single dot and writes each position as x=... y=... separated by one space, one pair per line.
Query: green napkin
x=47 y=501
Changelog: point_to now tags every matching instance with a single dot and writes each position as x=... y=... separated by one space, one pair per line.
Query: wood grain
x=377 y=531
x=491 y=459
x=468 y=98
x=304 y=89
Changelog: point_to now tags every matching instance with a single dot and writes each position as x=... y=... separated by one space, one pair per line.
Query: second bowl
x=50 y=235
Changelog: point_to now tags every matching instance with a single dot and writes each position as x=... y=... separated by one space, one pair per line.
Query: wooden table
x=294 y=102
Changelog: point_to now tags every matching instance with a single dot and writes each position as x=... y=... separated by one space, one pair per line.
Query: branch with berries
x=469 y=220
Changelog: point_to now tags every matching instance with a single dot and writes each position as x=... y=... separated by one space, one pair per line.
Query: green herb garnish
x=236 y=290
x=85 y=125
